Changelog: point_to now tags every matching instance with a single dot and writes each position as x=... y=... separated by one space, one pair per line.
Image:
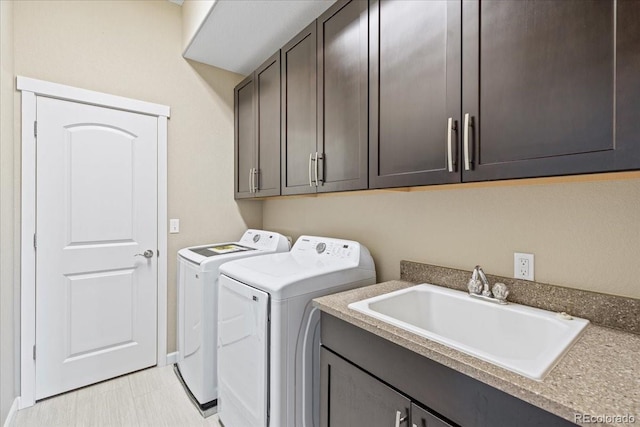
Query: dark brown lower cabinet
x=353 y=398
x=366 y=380
x=423 y=418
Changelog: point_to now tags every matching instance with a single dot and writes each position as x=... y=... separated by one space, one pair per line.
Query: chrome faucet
x=478 y=287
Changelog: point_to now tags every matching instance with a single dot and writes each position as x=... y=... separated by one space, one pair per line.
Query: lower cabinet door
x=350 y=397
x=422 y=418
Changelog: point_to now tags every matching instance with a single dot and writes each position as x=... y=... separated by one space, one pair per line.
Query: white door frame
x=31 y=88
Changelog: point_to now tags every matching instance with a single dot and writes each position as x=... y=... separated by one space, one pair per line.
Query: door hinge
x=35 y=128
x=34 y=352
x=35 y=241
x=158 y=251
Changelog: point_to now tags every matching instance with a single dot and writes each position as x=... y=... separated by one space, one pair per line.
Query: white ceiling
x=238 y=35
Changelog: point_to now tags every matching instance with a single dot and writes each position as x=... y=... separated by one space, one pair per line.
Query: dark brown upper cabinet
x=414 y=92
x=324 y=98
x=407 y=93
x=245 y=138
x=299 y=102
x=257 y=132
x=549 y=88
x=342 y=97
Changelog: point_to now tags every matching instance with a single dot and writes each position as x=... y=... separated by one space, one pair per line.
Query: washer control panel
x=264 y=240
x=324 y=247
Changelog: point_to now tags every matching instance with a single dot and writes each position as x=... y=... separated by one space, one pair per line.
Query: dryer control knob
x=320 y=247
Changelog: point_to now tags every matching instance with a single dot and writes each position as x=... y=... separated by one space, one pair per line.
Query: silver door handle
x=467 y=124
x=254 y=179
x=251 y=180
x=318 y=158
x=147 y=254
x=310 y=160
x=450 y=161
x=400 y=418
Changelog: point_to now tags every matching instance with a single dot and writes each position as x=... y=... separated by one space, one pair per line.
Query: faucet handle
x=500 y=291
x=474 y=286
x=485 y=283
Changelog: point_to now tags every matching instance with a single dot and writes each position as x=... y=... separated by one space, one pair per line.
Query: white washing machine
x=269 y=332
x=198 y=269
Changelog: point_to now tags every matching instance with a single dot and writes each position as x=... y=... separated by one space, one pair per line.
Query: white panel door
x=96 y=301
x=243 y=354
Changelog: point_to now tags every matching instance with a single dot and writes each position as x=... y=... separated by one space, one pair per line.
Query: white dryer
x=269 y=332
x=198 y=269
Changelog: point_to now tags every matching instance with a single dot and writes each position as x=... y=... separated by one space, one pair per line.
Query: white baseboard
x=11 y=416
x=172 y=358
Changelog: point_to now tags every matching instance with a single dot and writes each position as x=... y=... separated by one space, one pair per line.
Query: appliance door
x=243 y=354
x=190 y=307
x=192 y=329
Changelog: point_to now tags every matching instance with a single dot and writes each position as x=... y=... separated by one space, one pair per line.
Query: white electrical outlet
x=523 y=266
x=174 y=226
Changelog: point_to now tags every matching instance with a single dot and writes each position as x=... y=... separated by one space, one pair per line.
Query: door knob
x=147 y=254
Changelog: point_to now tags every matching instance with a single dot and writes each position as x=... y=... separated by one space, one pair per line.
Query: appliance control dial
x=256 y=238
x=320 y=247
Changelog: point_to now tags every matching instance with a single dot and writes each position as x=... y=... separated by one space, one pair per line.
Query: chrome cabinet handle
x=147 y=254
x=310 y=160
x=467 y=124
x=400 y=418
x=450 y=160
x=251 y=180
x=318 y=158
x=316 y=170
x=255 y=180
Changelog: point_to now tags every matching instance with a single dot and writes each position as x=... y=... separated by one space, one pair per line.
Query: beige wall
x=584 y=235
x=133 y=49
x=8 y=286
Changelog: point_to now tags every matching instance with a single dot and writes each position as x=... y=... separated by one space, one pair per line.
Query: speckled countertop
x=600 y=375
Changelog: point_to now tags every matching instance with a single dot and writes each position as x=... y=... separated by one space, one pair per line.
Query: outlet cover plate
x=523 y=266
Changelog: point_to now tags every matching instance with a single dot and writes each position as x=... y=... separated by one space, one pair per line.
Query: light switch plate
x=174 y=226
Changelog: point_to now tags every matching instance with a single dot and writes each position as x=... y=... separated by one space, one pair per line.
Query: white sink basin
x=523 y=339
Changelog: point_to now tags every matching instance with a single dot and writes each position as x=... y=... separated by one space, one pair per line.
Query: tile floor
x=153 y=397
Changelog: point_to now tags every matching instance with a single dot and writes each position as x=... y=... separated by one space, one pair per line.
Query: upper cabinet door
x=245 y=138
x=342 y=96
x=267 y=83
x=299 y=112
x=414 y=92
x=550 y=87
